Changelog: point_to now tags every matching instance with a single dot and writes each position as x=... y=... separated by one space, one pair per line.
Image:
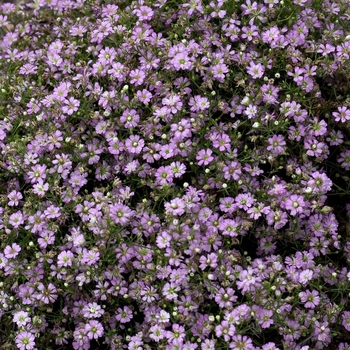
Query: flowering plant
x=174 y=174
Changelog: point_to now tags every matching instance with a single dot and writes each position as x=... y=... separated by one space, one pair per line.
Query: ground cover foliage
x=175 y=175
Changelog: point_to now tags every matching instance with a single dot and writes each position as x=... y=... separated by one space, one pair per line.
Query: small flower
x=25 y=341
x=276 y=144
x=12 y=251
x=124 y=315
x=346 y=320
x=344 y=159
x=46 y=294
x=65 y=259
x=144 y=13
x=310 y=299
x=204 y=156
x=305 y=276
x=94 y=329
x=255 y=70
x=21 y=318
x=14 y=197
x=157 y=333
x=296 y=204
x=199 y=103
x=71 y=106
x=175 y=207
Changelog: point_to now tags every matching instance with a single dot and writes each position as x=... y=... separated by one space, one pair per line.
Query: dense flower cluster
x=169 y=172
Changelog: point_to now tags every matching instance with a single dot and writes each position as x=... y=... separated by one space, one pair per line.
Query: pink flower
x=12 y=251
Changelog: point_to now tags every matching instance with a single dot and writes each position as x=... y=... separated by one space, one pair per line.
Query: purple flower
x=208 y=344
x=14 y=197
x=346 y=320
x=121 y=214
x=276 y=144
x=255 y=70
x=245 y=201
x=211 y=260
x=134 y=144
x=310 y=299
x=21 y=318
x=25 y=341
x=305 y=276
x=16 y=219
x=130 y=118
x=335 y=138
x=270 y=346
x=295 y=204
x=144 y=96
x=319 y=183
x=226 y=297
x=92 y=310
x=175 y=207
x=65 y=258
x=144 y=13
x=173 y=103
x=241 y=342
x=170 y=291
x=178 y=169
x=229 y=227
x=198 y=103
x=124 y=315
x=157 y=333
x=37 y=174
x=137 y=77
x=204 y=156
x=182 y=61
x=222 y=142
x=225 y=330
x=344 y=159
x=90 y=257
x=164 y=175
x=163 y=240
x=181 y=130
x=12 y=251
x=46 y=294
x=219 y=71
x=71 y=105
x=94 y=329
x=40 y=188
